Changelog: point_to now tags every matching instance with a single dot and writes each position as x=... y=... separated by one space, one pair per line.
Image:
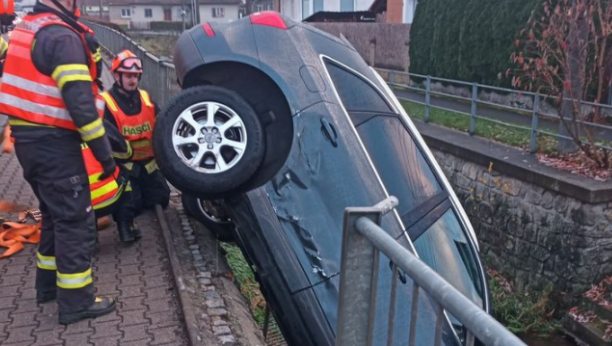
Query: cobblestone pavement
x=138 y=276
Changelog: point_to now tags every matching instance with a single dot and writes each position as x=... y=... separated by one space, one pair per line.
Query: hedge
x=469 y=40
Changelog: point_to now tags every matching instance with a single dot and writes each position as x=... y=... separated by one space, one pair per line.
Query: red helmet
x=127 y=61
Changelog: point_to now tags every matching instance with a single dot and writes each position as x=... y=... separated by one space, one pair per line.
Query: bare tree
x=565 y=54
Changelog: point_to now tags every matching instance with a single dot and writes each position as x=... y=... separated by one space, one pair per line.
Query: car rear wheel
x=210 y=214
x=208 y=141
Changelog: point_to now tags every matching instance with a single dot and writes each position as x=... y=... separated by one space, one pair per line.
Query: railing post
x=474 y=107
x=356 y=306
x=392 y=77
x=427 y=98
x=533 y=145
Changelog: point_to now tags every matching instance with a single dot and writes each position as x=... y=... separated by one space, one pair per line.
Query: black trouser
x=122 y=209
x=56 y=172
x=148 y=189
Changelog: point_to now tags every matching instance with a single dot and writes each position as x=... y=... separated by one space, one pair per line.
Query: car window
x=355 y=93
x=445 y=248
x=399 y=162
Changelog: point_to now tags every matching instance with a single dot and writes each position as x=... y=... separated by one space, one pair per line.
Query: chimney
x=395 y=10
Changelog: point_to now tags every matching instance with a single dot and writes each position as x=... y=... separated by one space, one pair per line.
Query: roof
x=379 y=6
x=355 y=17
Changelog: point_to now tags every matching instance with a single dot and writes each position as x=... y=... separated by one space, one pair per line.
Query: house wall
x=206 y=13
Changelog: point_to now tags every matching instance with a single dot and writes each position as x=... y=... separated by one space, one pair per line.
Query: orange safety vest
x=27 y=93
x=7 y=6
x=136 y=129
x=103 y=192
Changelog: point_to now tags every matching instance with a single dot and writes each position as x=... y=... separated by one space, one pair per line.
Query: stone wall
x=533 y=235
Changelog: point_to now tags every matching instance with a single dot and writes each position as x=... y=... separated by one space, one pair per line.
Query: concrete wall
x=533 y=235
x=383 y=45
x=231 y=13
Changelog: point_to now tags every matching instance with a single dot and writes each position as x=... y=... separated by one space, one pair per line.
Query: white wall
x=206 y=13
x=294 y=8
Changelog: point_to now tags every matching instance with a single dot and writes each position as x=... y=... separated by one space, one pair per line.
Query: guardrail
x=603 y=133
x=363 y=241
x=159 y=77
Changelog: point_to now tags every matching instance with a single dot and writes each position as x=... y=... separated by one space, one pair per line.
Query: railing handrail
x=482 y=325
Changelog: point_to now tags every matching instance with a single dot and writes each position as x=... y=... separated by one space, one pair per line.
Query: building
x=219 y=10
x=395 y=11
x=139 y=14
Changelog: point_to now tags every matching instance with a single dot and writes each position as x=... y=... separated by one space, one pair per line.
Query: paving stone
x=133 y=317
x=133 y=333
x=11 y=291
x=114 y=341
x=143 y=342
x=227 y=340
x=26 y=293
x=47 y=338
x=47 y=322
x=82 y=327
x=217 y=312
x=131 y=291
x=163 y=319
x=164 y=335
x=7 y=303
x=128 y=304
x=23 y=319
x=215 y=303
x=159 y=305
x=4 y=315
x=156 y=281
x=220 y=330
x=130 y=280
x=20 y=334
x=106 y=330
x=111 y=317
x=76 y=339
x=28 y=305
x=130 y=269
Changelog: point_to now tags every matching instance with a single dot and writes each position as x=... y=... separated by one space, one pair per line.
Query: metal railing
x=363 y=242
x=602 y=133
x=159 y=77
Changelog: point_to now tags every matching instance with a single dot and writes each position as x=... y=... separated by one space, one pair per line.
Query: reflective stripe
x=94 y=178
x=103 y=190
x=19 y=122
x=146 y=98
x=113 y=199
x=151 y=166
x=126 y=155
x=129 y=187
x=45 y=262
x=25 y=84
x=32 y=107
x=109 y=101
x=93 y=130
x=74 y=281
x=97 y=55
x=3 y=46
x=129 y=165
x=71 y=73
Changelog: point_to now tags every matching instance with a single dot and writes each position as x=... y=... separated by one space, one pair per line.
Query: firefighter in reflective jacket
x=48 y=92
x=133 y=112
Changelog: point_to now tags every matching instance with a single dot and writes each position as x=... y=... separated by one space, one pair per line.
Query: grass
x=157 y=45
x=523 y=312
x=505 y=134
x=246 y=281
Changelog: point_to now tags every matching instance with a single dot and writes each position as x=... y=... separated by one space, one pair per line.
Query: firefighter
x=133 y=112
x=48 y=92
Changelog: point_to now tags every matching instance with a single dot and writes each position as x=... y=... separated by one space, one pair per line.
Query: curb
x=177 y=273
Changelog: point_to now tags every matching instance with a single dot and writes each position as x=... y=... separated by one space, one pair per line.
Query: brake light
x=208 y=29
x=268 y=18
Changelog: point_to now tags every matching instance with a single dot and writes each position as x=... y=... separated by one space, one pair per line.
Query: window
x=126 y=13
x=347 y=5
x=318 y=6
x=218 y=12
x=355 y=93
x=148 y=13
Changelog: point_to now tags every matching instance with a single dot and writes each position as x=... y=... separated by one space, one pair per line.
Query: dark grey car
x=286 y=126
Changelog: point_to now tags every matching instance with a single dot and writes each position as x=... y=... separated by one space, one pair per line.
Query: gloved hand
x=109 y=168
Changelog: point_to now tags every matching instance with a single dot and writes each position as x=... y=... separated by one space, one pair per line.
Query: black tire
x=207 y=185
x=220 y=225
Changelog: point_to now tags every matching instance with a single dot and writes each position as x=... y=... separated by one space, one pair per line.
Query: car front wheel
x=208 y=141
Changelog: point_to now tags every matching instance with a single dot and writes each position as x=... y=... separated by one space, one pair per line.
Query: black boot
x=126 y=231
x=100 y=307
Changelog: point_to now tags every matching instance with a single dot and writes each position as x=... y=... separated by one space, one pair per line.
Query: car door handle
x=329 y=132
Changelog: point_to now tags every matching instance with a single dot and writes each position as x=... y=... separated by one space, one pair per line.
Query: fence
x=363 y=240
x=602 y=133
x=159 y=78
